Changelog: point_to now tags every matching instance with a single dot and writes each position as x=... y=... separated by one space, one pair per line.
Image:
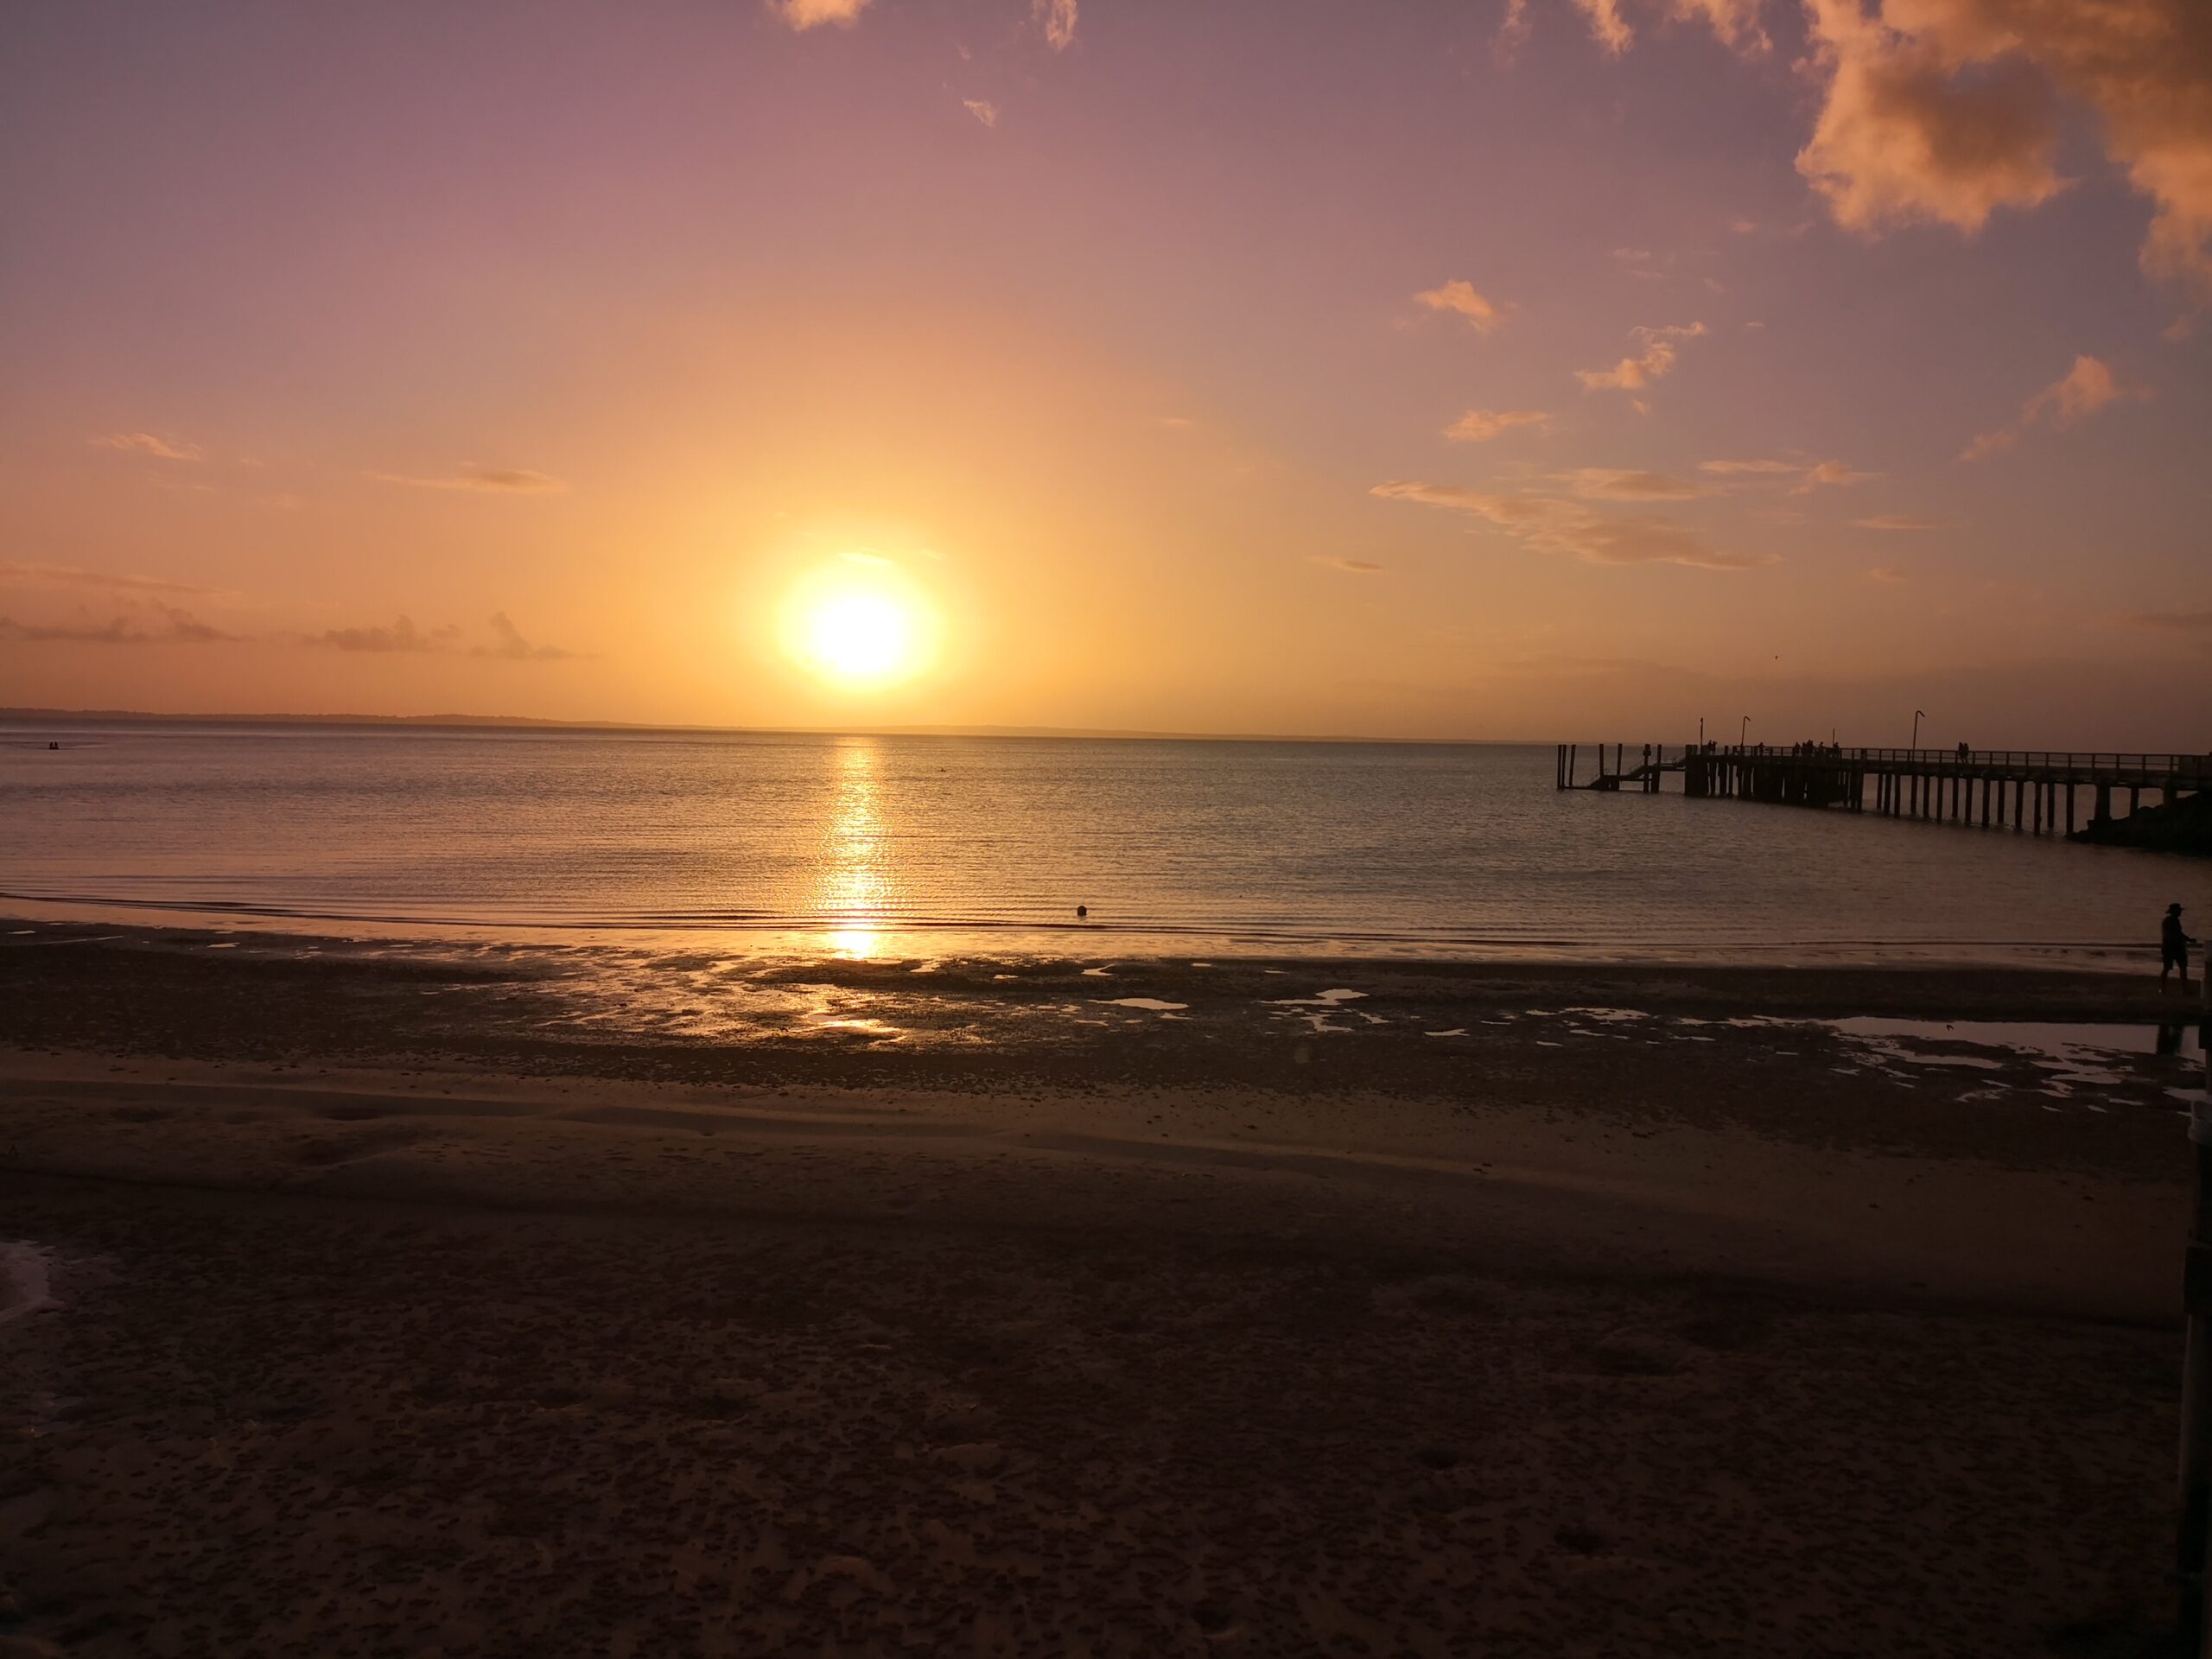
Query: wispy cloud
x=1459 y=299
x=15 y=573
x=1549 y=524
x=1620 y=484
x=146 y=443
x=1806 y=476
x=1481 y=425
x=808 y=14
x=1351 y=567
x=493 y=480
x=511 y=645
x=1607 y=26
x=1732 y=468
x=168 y=626
x=982 y=109
x=1661 y=347
x=1057 y=18
x=1826 y=474
x=1903 y=521
x=2083 y=390
x=1886 y=573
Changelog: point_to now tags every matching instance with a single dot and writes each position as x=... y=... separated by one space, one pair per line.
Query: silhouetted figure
x=2173 y=947
x=2169 y=1036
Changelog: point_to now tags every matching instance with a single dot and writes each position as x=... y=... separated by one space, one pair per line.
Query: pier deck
x=2043 y=791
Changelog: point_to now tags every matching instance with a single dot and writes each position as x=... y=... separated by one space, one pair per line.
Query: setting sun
x=860 y=629
x=860 y=637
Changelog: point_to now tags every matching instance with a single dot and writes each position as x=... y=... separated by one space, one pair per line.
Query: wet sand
x=607 y=1303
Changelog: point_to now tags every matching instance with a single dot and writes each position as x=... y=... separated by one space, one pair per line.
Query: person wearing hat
x=2173 y=947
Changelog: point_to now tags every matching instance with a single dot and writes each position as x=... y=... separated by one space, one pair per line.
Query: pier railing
x=2036 y=789
x=2168 y=765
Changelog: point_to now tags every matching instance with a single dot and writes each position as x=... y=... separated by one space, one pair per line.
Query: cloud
x=1618 y=483
x=1810 y=475
x=15 y=573
x=1481 y=425
x=1549 y=524
x=982 y=109
x=1901 y=521
x=494 y=480
x=1946 y=110
x=1734 y=467
x=145 y=443
x=1886 y=573
x=402 y=635
x=1902 y=137
x=1058 y=20
x=171 y=627
x=1829 y=472
x=1354 y=567
x=2171 y=621
x=1606 y=24
x=1657 y=359
x=514 y=648
x=2079 y=394
x=806 y=13
x=1736 y=21
x=1460 y=297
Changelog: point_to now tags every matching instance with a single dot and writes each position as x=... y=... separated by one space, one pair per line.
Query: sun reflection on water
x=854 y=886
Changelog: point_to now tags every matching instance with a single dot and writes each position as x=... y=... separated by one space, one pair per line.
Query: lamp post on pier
x=1918 y=714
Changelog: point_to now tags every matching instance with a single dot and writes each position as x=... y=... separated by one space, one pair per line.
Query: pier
x=2039 y=792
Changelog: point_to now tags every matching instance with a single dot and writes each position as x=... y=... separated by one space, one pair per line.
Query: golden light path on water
x=854 y=885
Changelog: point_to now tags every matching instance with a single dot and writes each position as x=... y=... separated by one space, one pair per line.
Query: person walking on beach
x=2173 y=947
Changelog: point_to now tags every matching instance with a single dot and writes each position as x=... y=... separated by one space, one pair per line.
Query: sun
x=860 y=638
x=859 y=630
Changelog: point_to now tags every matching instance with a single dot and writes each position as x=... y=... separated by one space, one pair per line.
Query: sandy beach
x=430 y=1300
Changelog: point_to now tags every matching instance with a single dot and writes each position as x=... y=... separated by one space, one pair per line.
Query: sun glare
x=860 y=631
x=860 y=637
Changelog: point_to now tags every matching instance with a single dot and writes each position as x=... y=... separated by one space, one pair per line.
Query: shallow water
x=864 y=846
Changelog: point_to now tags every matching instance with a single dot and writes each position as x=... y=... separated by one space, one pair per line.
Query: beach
x=438 y=1301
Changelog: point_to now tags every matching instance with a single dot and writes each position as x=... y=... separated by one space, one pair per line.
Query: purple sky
x=1805 y=363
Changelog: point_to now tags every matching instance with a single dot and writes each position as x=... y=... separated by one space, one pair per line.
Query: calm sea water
x=874 y=844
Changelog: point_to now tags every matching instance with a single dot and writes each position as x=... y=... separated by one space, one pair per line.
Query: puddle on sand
x=2069 y=1056
x=1152 y=1003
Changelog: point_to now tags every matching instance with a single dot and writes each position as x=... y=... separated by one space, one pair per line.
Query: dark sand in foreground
x=551 y=1304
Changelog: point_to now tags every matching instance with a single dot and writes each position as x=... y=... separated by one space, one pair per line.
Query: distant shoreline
x=532 y=722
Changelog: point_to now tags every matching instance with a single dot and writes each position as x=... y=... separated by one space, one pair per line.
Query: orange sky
x=1514 y=370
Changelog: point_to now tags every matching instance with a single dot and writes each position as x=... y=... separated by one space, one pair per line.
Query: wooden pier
x=2042 y=792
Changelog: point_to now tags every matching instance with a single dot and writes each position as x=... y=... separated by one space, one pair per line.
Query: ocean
x=917 y=845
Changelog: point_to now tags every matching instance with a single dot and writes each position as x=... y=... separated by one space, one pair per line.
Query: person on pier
x=2173 y=947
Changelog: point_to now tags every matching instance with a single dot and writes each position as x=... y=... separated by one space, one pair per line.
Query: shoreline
x=871 y=941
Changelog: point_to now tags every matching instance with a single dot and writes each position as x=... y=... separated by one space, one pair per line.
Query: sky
x=1500 y=369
